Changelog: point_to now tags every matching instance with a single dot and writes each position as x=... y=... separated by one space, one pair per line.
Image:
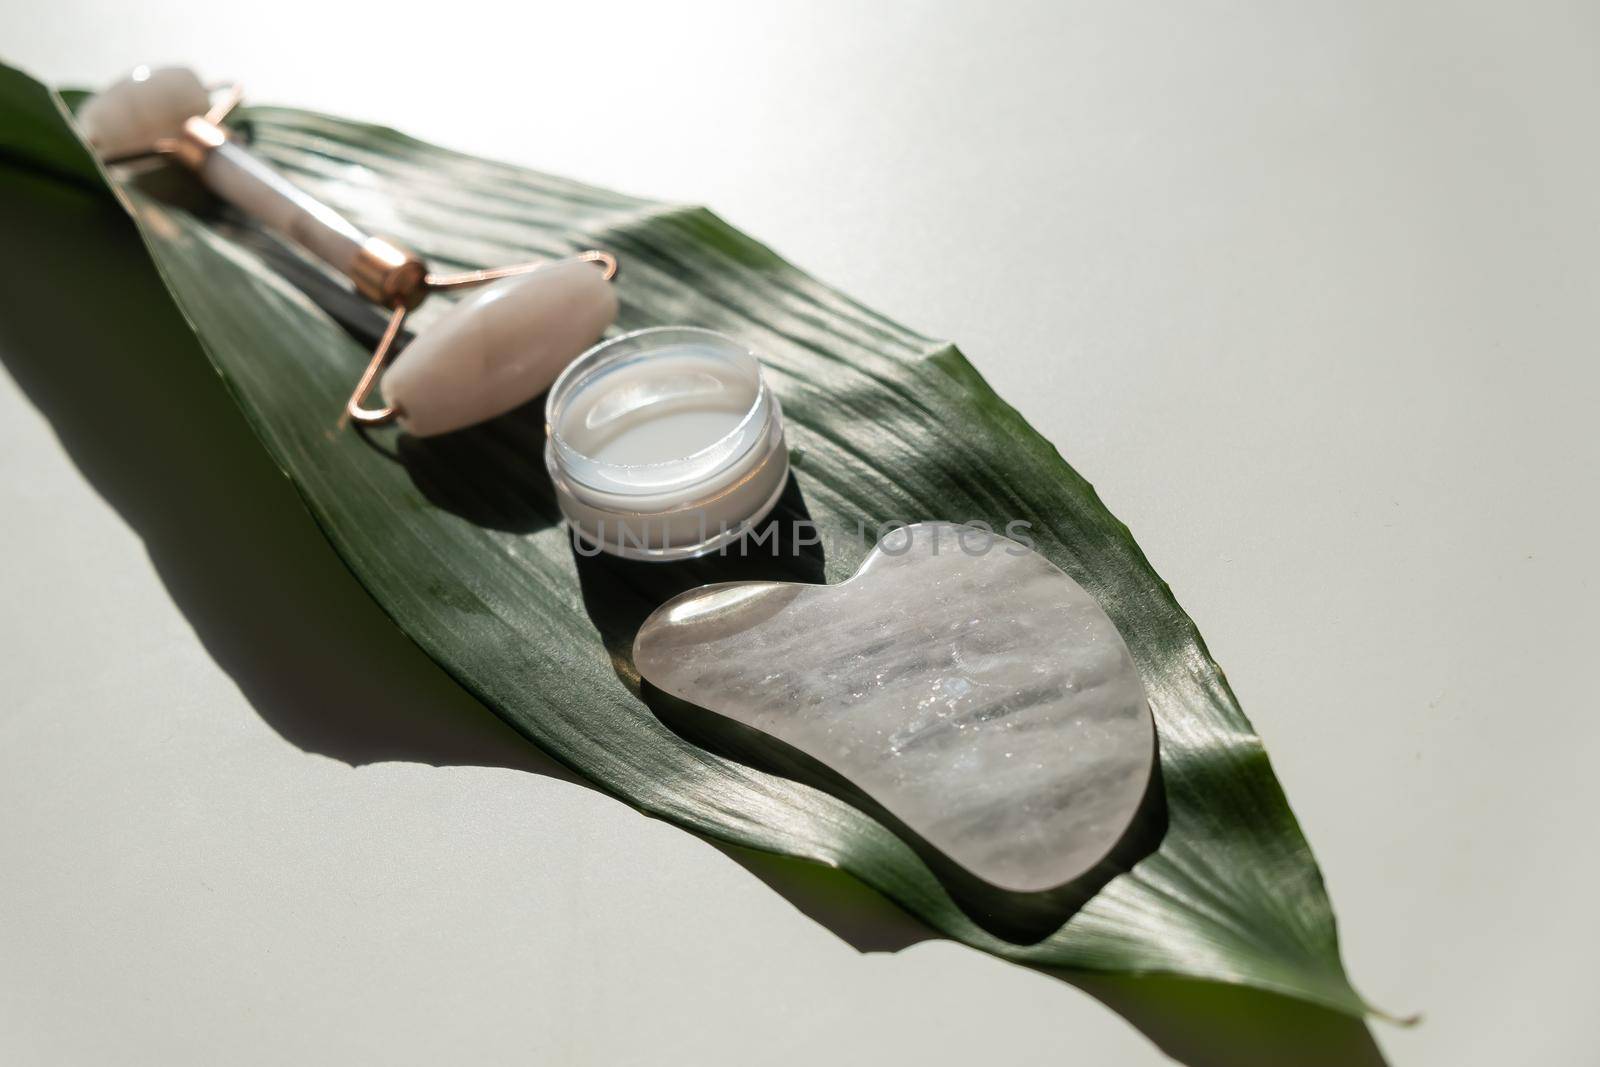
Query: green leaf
x=459 y=541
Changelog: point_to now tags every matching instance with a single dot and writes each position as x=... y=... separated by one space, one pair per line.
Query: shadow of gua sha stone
x=959 y=688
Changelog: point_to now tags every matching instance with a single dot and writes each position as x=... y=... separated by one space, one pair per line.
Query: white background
x=1309 y=291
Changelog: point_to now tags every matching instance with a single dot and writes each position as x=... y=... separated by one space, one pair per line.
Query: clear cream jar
x=664 y=444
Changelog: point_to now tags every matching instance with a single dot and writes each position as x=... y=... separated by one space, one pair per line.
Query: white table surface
x=1309 y=291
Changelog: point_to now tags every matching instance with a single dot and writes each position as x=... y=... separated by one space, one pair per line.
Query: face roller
x=493 y=351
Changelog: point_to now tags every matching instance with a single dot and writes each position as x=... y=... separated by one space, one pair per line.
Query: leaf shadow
x=151 y=428
x=1196 y=1023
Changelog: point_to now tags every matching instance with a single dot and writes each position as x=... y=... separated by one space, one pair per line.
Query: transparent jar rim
x=595 y=359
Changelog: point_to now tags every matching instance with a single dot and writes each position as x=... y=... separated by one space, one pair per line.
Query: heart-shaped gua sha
x=959 y=682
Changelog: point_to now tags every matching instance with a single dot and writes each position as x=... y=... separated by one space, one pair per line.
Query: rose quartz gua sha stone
x=980 y=703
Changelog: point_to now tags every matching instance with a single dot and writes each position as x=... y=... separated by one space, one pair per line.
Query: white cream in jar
x=665 y=443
